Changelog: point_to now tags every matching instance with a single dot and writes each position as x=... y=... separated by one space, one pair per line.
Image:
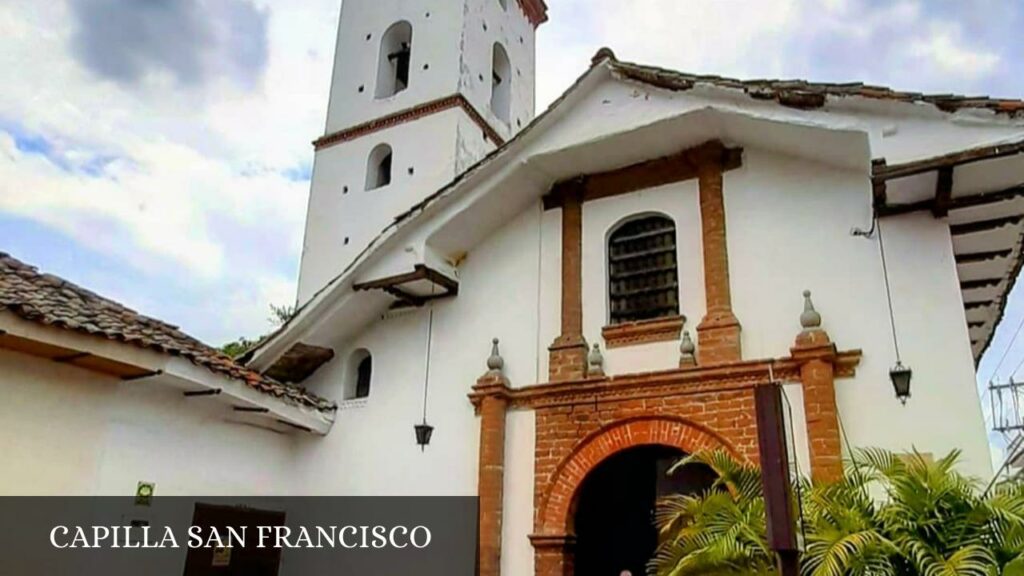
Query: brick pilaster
x=491 y=399
x=719 y=332
x=568 y=354
x=553 y=555
x=817 y=354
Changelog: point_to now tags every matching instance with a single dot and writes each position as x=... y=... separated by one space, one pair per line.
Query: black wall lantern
x=900 y=376
x=423 y=433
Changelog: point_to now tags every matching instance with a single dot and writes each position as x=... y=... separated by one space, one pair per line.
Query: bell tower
x=421 y=91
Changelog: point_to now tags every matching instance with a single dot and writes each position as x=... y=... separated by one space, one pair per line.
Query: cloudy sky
x=159 y=151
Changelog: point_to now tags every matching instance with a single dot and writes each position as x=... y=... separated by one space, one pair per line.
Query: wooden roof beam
x=644 y=175
x=881 y=171
x=878 y=186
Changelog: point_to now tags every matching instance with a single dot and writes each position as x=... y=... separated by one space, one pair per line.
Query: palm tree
x=889 y=515
x=721 y=531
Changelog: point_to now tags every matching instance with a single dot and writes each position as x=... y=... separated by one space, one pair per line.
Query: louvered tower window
x=643 y=274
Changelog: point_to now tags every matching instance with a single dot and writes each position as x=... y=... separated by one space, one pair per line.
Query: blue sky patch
x=301 y=173
x=92 y=164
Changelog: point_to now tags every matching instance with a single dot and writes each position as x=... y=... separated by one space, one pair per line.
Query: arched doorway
x=555 y=537
x=614 y=511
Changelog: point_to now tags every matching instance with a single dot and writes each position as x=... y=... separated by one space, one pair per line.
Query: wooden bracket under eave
x=411 y=288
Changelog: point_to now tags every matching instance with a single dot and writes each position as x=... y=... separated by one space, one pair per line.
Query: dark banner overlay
x=177 y=536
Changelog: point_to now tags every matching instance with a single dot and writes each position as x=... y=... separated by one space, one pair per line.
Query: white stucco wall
x=67 y=431
x=517 y=524
x=432 y=147
x=789 y=225
x=372 y=448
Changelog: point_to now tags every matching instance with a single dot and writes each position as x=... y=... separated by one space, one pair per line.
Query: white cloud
x=945 y=48
x=198 y=190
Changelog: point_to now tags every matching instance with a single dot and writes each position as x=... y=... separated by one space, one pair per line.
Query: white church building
x=567 y=302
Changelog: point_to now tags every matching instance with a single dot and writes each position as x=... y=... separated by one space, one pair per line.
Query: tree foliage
x=889 y=515
x=238 y=347
x=279 y=316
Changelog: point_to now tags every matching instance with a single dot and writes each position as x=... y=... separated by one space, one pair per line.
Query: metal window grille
x=643 y=272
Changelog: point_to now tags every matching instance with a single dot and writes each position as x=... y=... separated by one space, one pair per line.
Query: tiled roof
x=50 y=300
x=804 y=94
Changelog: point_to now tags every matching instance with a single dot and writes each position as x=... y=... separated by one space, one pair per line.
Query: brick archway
x=555 y=511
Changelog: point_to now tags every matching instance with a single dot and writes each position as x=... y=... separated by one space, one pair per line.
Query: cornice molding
x=408 y=115
x=677 y=382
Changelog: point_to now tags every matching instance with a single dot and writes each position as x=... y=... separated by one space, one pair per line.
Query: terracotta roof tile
x=805 y=94
x=53 y=301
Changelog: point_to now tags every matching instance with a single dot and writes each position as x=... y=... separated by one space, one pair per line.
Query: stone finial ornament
x=687 y=351
x=810 y=319
x=495 y=363
x=595 y=360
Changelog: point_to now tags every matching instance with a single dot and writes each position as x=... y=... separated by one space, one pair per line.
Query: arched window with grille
x=643 y=275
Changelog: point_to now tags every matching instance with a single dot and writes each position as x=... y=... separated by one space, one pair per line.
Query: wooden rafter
x=977 y=284
x=976 y=257
x=985 y=225
x=959 y=203
x=1007 y=195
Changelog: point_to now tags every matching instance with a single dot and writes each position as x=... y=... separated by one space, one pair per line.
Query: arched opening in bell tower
x=378 y=167
x=501 y=83
x=395 y=60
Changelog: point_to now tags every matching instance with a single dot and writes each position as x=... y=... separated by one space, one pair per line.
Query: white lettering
x=53 y=536
x=426 y=541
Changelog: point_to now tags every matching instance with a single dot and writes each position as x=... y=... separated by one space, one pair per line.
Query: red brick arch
x=555 y=513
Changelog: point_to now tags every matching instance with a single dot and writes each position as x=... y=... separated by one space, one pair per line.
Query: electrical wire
x=540 y=279
x=1017 y=368
x=430 y=337
x=888 y=290
x=1006 y=351
x=796 y=460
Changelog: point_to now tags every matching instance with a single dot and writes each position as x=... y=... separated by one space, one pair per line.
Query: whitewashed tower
x=421 y=91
